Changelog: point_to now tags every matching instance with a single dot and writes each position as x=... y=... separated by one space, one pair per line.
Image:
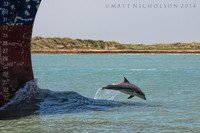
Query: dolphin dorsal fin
x=125 y=80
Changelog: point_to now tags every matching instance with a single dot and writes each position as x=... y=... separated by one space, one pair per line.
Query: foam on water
x=29 y=91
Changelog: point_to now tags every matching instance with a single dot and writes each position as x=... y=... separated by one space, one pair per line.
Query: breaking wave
x=31 y=100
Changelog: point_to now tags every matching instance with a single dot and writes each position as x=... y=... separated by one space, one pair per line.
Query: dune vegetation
x=41 y=43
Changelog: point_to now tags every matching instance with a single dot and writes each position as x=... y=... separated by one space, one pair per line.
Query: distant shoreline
x=41 y=45
x=115 y=51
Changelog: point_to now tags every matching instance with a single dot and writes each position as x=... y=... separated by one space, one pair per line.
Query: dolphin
x=127 y=88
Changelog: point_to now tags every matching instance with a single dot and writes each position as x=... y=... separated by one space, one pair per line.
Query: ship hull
x=15 y=45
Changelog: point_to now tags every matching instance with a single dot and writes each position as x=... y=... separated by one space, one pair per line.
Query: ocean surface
x=66 y=95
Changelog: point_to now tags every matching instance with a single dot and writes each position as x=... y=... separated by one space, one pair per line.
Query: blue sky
x=124 y=21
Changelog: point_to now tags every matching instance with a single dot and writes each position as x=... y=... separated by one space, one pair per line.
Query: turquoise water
x=68 y=83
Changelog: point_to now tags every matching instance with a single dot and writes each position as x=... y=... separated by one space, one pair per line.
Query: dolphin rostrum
x=126 y=88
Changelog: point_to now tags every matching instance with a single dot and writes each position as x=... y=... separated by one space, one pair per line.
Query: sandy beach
x=115 y=51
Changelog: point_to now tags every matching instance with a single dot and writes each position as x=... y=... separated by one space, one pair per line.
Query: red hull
x=15 y=59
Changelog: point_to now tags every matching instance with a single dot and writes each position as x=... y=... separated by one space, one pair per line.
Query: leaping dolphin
x=126 y=88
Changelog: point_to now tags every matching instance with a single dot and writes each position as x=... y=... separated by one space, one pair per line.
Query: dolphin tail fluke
x=131 y=96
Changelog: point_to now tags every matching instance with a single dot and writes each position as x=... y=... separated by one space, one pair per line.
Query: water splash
x=29 y=91
x=24 y=103
x=106 y=94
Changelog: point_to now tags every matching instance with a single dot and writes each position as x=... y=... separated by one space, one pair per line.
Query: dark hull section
x=17 y=17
